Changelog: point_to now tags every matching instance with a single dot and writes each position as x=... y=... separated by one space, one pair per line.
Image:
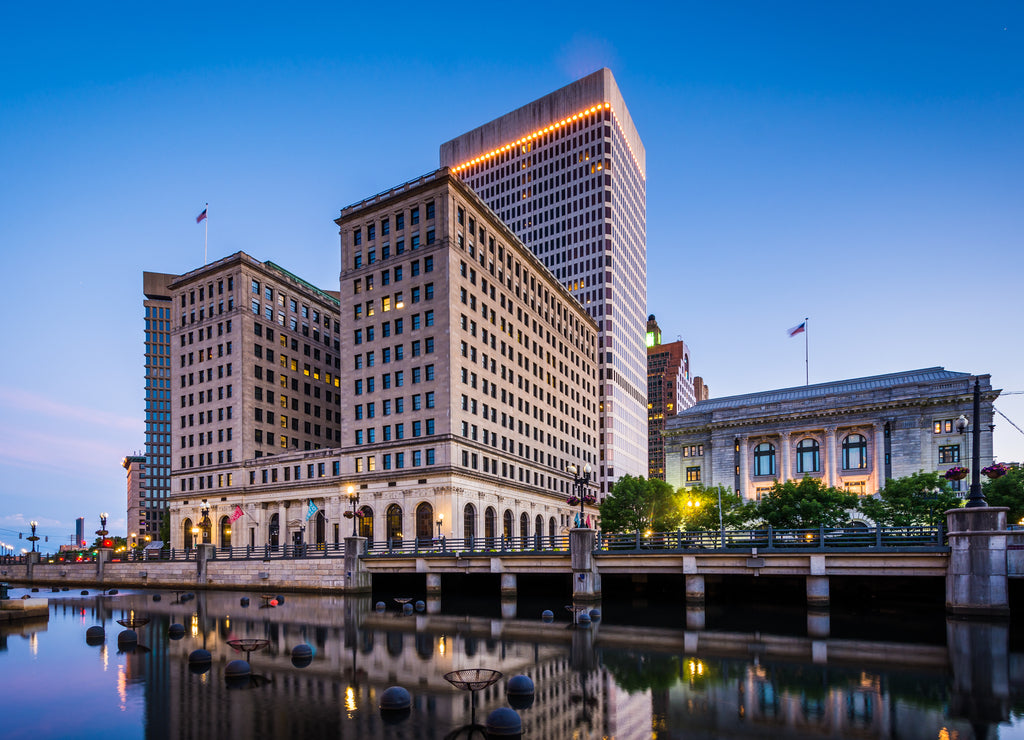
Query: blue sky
x=857 y=163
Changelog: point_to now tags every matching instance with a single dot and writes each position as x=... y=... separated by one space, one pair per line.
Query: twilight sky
x=859 y=163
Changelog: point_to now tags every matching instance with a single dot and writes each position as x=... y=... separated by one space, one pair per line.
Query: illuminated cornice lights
x=531 y=136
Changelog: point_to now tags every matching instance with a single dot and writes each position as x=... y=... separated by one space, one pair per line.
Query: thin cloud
x=57 y=453
x=16 y=398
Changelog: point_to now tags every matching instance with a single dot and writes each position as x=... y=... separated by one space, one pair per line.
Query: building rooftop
x=819 y=390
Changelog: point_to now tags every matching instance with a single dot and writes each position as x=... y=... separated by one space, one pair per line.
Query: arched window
x=188 y=539
x=507 y=522
x=524 y=529
x=424 y=523
x=320 y=528
x=538 y=529
x=855 y=452
x=393 y=523
x=469 y=523
x=764 y=459
x=552 y=531
x=366 y=524
x=274 y=531
x=490 y=525
x=807 y=458
x=225 y=532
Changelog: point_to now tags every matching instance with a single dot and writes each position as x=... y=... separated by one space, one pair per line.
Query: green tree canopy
x=804 y=503
x=699 y=506
x=638 y=505
x=1007 y=491
x=921 y=498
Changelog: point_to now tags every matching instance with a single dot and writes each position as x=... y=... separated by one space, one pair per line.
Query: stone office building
x=853 y=434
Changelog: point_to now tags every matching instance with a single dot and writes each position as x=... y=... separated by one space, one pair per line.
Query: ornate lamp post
x=33 y=539
x=353 y=497
x=102 y=531
x=976 y=497
x=205 y=509
x=440 y=521
x=580 y=492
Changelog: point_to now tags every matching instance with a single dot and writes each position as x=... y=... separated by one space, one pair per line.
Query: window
x=414 y=216
x=764 y=459
x=430 y=210
x=858 y=487
x=855 y=452
x=807 y=459
x=357 y=237
x=949 y=454
x=693 y=475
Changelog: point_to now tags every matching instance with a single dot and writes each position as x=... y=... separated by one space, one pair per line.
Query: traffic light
x=108 y=543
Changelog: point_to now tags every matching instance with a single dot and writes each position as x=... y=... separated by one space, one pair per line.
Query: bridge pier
x=357 y=580
x=976 y=581
x=433 y=585
x=817 y=591
x=205 y=552
x=819 y=623
x=695 y=589
x=696 y=617
x=508 y=586
x=586 y=581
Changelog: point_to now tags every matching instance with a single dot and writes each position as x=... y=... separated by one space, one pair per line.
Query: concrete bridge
x=975 y=555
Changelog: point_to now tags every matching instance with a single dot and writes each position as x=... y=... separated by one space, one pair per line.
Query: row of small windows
x=293 y=306
x=430 y=212
x=396 y=461
x=385 y=250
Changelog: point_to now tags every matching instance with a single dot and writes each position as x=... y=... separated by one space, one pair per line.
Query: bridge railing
x=770 y=539
x=470 y=546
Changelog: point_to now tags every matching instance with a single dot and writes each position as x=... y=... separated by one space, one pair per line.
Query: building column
x=879 y=452
x=785 y=464
x=832 y=463
x=745 y=468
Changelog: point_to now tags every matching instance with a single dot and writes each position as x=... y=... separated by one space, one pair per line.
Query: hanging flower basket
x=357 y=515
x=590 y=498
x=572 y=501
x=994 y=471
x=956 y=473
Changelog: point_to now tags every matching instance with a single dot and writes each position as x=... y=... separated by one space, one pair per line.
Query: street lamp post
x=977 y=496
x=102 y=531
x=440 y=521
x=581 y=480
x=33 y=538
x=205 y=523
x=353 y=497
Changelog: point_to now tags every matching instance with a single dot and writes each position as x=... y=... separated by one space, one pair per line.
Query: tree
x=638 y=505
x=921 y=498
x=1007 y=491
x=700 y=508
x=805 y=503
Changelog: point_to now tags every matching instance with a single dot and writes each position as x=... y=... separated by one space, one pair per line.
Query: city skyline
x=843 y=165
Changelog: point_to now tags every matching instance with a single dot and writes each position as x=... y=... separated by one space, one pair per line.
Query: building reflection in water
x=601 y=682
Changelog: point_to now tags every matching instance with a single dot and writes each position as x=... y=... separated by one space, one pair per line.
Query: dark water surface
x=647 y=669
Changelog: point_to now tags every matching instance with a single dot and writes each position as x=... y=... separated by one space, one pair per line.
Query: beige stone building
x=254 y=373
x=467 y=385
x=853 y=434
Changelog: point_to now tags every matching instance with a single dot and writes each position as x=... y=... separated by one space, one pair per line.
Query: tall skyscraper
x=154 y=485
x=567 y=173
x=669 y=391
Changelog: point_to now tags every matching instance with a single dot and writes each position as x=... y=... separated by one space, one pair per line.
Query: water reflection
x=604 y=681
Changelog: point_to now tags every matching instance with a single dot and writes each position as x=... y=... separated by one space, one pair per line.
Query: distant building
x=853 y=434
x=136 y=466
x=700 y=391
x=669 y=390
x=550 y=170
x=80 y=540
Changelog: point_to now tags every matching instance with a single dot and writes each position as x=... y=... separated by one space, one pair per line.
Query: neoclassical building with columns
x=853 y=434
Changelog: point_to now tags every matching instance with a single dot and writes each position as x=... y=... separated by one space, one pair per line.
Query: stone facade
x=853 y=434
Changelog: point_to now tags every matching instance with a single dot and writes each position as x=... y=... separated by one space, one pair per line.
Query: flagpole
x=206 y=234
x=807 y=364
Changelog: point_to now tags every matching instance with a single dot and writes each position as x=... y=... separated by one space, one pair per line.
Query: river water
x=639 y=672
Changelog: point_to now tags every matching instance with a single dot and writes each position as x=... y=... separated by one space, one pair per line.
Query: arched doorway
x=187 y=538
x=552 y=530
x=274 y=531
x=225 y=533
x=366 y=524
x=538 y=531
x=469 y=524
x=320 y=530
x=490 y=524
x=524 y=530
x=424 y=524
x=393 y=524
